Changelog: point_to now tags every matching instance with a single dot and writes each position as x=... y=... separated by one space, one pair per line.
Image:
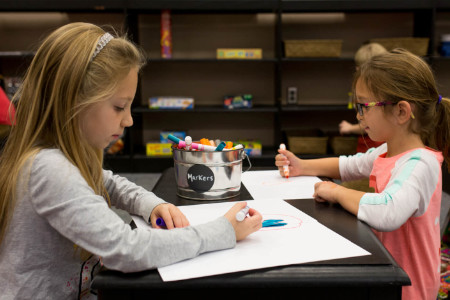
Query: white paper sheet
x=269 y=184
x=302 y=240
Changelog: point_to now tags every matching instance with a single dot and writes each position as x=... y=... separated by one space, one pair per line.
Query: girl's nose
x=358 y=116
x=127 y=121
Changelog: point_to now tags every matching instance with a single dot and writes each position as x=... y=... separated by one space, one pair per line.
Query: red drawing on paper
x=280 y=181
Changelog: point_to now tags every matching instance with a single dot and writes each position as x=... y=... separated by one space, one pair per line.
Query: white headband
x=102 y=43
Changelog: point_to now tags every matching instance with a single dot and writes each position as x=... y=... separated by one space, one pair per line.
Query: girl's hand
x=250 y=224
x=286 y=157
x=172 y=216
x=345 y=127
x=326 y=191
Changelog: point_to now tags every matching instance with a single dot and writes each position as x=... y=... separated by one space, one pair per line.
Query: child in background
x=56 y=225
x=7 y=112
x=363 y=54
x=397 y=101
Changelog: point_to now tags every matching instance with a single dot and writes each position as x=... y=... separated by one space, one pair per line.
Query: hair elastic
x=105 y=39
x=439 y=99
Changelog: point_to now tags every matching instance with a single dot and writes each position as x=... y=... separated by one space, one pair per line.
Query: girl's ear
x=404 y=112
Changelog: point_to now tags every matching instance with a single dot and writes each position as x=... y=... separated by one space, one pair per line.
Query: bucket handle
x=249 y=162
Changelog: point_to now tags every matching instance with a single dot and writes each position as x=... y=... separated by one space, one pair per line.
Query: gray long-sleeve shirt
x=56 y=209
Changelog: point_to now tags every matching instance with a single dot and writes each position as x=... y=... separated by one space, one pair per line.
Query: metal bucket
x=208 y=175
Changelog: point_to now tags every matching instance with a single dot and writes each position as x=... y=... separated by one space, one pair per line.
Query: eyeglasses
x=359 y=106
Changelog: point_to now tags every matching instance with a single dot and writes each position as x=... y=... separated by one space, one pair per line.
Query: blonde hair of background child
x=60 y=83
x=367 y=51
x=399 y=75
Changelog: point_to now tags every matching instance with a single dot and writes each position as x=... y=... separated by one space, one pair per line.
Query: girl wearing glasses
x=397 y=103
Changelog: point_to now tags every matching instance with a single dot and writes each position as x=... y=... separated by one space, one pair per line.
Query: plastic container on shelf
x=445 y=45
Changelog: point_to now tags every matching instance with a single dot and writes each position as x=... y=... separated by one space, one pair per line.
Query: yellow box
x=159 y=149
x=238 y=53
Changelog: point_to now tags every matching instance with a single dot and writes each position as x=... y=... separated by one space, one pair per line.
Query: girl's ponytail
x=442 y=128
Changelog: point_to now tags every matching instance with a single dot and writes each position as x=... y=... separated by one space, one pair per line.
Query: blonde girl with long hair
x=56 y=225
x=397 y=103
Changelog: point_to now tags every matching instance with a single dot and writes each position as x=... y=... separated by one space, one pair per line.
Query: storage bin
x=313 y=48
x=208 y=175
x=307 y=142
x=418 y=46
x=344 y=145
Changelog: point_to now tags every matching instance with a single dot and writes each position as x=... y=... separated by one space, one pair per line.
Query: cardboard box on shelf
x=171 y=103
x=244 y=53
x=251 y=147
x=163 y=136
x=159 y=149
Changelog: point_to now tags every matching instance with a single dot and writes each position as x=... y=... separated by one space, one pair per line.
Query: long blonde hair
x=60 y=83
x=400 y=75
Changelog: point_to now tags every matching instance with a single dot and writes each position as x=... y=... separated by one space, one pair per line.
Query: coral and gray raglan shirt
x=404 y=210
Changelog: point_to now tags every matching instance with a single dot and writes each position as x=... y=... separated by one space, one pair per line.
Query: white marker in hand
x=285 y=167
x=240 y=216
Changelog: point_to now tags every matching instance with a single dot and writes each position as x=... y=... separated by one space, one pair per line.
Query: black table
x=375 y=276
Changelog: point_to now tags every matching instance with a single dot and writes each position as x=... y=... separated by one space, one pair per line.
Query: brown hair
x=399 y=75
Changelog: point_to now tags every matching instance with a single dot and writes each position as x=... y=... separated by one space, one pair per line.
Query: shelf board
x=208 y=60
x=65 y=5
x=315 y=59
x=221 y=6
x=208 y=109
x=445 y=58
x=353 y=5
x=295 y=108
x=20 y=54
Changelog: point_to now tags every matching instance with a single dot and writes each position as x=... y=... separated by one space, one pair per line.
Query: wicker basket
x=343 y=145
x=313 y=48
x=307 y=142
x=418 y=46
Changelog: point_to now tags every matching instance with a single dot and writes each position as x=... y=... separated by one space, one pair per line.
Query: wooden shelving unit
x=201 y=26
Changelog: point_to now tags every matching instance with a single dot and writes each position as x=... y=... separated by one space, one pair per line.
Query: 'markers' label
x=200 y=178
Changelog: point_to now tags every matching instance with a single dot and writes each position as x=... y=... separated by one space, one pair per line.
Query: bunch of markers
x=203 y=145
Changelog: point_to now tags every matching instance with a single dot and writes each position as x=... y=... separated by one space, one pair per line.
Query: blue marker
x=160 y=222
x=273 y=223
x=173 y=139
x=221 y=146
